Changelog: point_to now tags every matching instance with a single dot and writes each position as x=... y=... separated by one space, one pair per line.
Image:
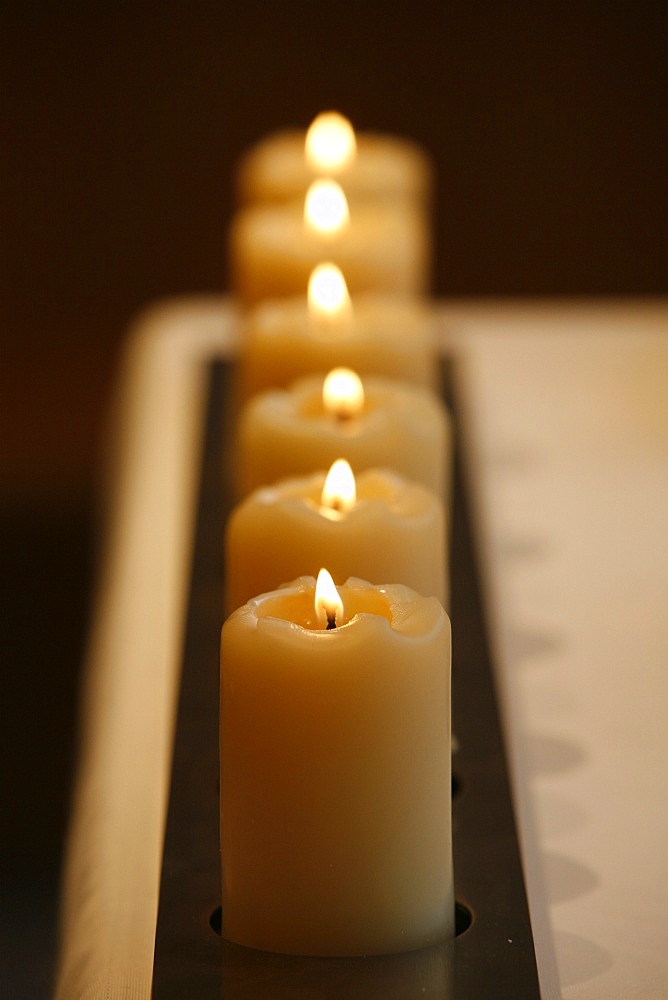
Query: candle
x=369 y=165
x=380 y=333
x=378 y=525
x=298 y=430
x=335 y=771
x=377 y=245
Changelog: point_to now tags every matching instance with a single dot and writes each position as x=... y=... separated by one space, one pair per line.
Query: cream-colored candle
x=379 y=245
x=294 y=431
x=378 y=525
x=369 y=165
x=378 y=333
x=335 y=772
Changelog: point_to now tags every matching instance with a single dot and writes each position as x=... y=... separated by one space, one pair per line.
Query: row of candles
x=335 y=692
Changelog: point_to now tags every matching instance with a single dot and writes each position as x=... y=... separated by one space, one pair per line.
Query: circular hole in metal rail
x=463 y=919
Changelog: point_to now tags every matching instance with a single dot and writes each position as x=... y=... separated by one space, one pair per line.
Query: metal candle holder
x=492 y=954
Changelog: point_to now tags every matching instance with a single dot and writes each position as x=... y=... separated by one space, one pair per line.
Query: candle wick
x=331 y=621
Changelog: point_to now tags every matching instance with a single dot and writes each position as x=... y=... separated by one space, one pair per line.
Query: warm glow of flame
x=330 y=143
x=343 y=393
x=328 y=296
x=339 y=491
x=328 y=603
x=325 y=208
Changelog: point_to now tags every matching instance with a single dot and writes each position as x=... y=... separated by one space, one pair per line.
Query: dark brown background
x=121 y=126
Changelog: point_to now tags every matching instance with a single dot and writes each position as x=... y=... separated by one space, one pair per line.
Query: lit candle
x=370 y=165
x=378 y=526
x=382 y=246
x=295 y=431
x=335 y=771
x=380 y=333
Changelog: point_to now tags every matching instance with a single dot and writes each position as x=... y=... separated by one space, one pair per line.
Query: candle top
x=386 y=244
x=285 y=431
x=290 y=611
x=332 y=226
x=387 y=402
x=375 y=315
x=378 y=493
x=379 y=334
x=384 y=167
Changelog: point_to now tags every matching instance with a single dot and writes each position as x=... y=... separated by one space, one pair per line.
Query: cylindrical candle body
x=386 y=167
x=335 y=774
x=394 y=531
x=386 y=335
x=286 y=432
x=385 y=247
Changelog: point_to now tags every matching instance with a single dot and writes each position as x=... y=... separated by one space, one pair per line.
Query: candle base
x=325 y=938
x=492 y=954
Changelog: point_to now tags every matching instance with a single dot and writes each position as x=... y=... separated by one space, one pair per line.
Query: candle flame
x=343 y=393
x=326 y=208
x=339 y=490
x=330 y=143
x=328 y=296
x=328 y=603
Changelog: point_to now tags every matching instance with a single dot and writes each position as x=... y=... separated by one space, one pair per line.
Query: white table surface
x=566 y=423
x=567 y=427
